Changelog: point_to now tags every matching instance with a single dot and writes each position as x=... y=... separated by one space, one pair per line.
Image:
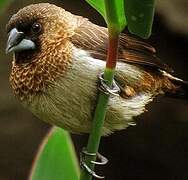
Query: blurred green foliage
x=56 y=158
x=139 y=16
x=116 y=17
x=4 y=4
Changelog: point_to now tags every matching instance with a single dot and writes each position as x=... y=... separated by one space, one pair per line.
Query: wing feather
x=94 y=38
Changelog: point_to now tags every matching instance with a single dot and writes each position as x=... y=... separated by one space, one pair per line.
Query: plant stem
x=101 y=108
x=100 y=111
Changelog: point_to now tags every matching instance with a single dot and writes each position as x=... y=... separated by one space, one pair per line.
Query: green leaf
x=139 y=14
x=116 y=14
x=56 y=158
x=2 y=2
x=99 y=6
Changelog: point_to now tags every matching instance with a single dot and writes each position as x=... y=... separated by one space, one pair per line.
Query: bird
x=57 y=58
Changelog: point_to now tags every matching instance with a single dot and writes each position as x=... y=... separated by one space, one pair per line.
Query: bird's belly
x=71 y=100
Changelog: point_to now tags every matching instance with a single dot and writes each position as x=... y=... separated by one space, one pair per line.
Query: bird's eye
x=36 y=27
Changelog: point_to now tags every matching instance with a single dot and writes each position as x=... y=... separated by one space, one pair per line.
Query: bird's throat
x=24 y=57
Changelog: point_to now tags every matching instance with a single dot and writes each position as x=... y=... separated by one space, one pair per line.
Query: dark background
x=157 y=148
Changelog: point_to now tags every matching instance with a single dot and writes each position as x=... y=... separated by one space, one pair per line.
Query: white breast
x=70 y=102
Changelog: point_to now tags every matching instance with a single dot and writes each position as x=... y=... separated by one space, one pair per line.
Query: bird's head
x=37 y=30
x=39 y=37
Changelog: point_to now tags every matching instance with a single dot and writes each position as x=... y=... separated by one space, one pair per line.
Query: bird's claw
x=131 y=123
x=106 y=89
x=91 y=172
x=103 y=161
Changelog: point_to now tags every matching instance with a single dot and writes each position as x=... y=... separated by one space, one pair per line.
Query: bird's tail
x=181 y=90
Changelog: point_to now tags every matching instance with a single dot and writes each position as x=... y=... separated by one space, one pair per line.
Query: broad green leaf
x=116 y=16
x=99 y=6
x=56 y=159
x=139 y=14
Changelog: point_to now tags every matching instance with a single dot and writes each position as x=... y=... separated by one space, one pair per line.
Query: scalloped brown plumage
x=57 y=80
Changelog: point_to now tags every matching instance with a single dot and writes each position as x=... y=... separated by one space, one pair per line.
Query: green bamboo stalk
x=100 y=111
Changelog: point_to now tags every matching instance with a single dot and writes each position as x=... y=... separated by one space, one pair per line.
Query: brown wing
x=94 y=38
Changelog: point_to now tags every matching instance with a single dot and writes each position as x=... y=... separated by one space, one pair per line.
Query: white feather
x=70 y=101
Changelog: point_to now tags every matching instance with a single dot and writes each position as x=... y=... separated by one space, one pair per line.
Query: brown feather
x=58 y=82
x=94 y=39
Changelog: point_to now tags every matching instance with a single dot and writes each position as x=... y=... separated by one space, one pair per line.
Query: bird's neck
x=30 y=78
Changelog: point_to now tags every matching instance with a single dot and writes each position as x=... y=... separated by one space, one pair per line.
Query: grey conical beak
x=16 y=42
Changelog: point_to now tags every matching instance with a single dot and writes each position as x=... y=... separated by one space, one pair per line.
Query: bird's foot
x=106 y=89
x=103 y=161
